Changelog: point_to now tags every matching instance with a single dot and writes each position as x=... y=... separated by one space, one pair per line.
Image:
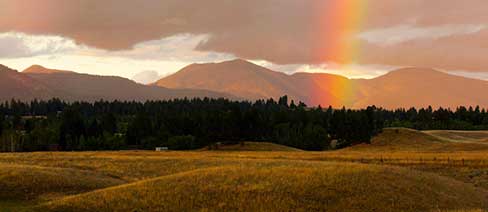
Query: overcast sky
x=356 y=38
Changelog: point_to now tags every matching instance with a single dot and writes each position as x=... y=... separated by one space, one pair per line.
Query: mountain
x=408 y=87
x=146 y=77
x=237 y=77
x=421 y=87
x=38 y=82
x=15 y=85
x=37 y=69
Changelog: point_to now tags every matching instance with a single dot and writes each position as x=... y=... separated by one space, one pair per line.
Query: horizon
x=133 y=78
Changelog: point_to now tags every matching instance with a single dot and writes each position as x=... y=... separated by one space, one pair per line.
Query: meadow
x=402 y=170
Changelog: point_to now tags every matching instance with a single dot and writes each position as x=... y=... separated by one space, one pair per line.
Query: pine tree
x=109 y=123
x=1 y=123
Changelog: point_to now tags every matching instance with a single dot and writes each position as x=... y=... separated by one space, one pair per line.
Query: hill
x=246 y=180
x=23 y=185
x=408 y=87
x=38 y=82
x=309 y=186
x=402 y=139
x=480 y=137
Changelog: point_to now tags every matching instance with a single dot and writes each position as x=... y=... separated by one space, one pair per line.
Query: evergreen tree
x=72 y=129
x=139 y=129
x=315 y=138
x=283 y=101
x=109 y=123
x=1 y=123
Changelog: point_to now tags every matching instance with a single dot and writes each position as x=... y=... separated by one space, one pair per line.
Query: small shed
x=159 y=149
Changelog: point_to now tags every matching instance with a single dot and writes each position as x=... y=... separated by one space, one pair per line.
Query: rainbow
x=340 y=21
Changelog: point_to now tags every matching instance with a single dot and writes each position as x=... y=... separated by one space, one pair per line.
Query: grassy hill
x=461 y=136
x=26 y=183
x=403 y=139
x=284 y=185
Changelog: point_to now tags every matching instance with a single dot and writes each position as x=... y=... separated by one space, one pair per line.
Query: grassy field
x=402 y=170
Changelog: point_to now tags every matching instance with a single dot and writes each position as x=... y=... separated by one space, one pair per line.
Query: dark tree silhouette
x=195 y=123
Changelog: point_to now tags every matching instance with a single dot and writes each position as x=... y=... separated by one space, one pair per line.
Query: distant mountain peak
x=233 y=62
x=38 y=69
x=238 y=60
x=416 y=70
x=6 y=68
x=2 y=67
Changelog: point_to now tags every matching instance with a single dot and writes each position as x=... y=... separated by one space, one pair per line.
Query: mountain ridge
x=38 y=69
x=401 y=88
x=41 y=83
x=240 y=79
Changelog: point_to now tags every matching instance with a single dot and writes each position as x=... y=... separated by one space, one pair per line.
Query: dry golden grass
x=255 y=146
x=401 y=139
x=461 y=136
x=389 y=175
x=29 y=182
x=25 y=184
x=283 y=185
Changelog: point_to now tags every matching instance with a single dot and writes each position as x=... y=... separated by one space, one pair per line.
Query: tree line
x=196 y=123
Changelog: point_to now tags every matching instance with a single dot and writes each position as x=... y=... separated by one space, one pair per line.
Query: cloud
x=396 y=33
x=468 y=74
x=403 y=33
x=146 y=77
x=175 y=48
x=14 y=44
x=166 y=55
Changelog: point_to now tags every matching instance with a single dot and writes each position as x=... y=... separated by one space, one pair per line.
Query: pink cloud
x=279 y=31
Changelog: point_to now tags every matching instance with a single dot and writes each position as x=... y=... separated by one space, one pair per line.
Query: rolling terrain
x=402 y=139
x=408 y=87
x=37 y=82
x=276 y=186
x=435 y=174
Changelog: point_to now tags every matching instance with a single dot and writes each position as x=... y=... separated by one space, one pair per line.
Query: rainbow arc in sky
x=340 y=22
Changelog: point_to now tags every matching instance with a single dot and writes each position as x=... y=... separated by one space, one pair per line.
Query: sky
x=354 y=38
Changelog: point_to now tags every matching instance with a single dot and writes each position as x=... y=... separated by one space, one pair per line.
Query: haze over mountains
x=37 y=82
x=409 y=87
x=240 y=79
x=146 y=77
